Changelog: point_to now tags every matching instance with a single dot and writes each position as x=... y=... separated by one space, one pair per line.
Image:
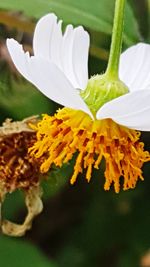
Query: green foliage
x=119 y=233
x=96 y=15
x=22 y=100
x=20 y=253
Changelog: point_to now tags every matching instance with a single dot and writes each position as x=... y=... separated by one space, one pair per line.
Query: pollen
x=70 y=131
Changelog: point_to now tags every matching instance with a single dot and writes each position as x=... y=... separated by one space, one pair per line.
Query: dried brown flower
x=18 y=170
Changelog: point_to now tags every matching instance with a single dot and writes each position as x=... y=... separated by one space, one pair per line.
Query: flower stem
x=116 y=43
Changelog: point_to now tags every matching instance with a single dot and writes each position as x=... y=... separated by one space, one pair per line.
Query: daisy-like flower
x=102 y=116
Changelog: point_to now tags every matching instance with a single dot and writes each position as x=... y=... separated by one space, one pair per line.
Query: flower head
x=59 y=69
x=102 y=116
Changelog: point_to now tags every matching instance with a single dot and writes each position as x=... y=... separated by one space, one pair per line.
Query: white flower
x=59 y=67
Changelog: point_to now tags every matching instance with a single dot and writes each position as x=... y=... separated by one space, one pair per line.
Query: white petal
x=47 y=77
x=131 y=110
x=66 y=55
x=138 y=121
x=19 y=58
x=75 y=55
x=134 y=69
x=52 y=82
x=80 y=56
x=47 y=39
x=69 y=51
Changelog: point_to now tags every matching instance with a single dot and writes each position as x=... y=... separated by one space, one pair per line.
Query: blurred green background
x=81 y=225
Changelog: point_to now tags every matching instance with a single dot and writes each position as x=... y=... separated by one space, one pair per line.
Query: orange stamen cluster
x=69 y=131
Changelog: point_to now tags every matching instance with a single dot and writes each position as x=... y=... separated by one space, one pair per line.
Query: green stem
x=116 y=43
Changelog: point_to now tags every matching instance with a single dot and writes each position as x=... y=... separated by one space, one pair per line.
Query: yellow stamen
x=70 y=131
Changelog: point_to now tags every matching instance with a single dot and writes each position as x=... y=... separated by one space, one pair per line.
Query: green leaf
x=21 y=254
x=95 y=15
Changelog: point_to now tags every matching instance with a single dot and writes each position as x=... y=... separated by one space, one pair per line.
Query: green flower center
x=100 y=90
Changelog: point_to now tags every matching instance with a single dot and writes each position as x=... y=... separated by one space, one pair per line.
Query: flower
x=111 y=130
x=18 y=170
